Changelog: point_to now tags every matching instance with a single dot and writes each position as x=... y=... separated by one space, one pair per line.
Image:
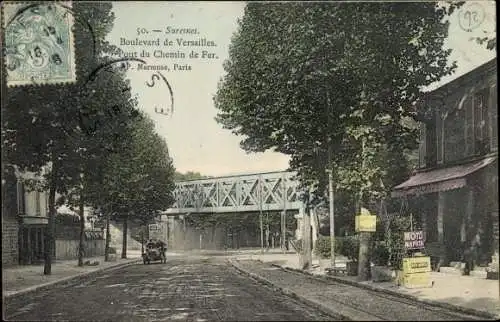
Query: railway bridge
x=271 y=191
x=248 y=193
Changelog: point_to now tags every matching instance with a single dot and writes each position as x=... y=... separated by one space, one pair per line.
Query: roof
x=440 y=179
x=466 y=79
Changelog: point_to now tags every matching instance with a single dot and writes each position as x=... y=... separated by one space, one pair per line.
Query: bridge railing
x=255 y=192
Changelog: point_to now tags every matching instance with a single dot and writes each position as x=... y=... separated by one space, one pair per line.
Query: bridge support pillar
x=306 y=251
x=300 y=222
x=299 y=230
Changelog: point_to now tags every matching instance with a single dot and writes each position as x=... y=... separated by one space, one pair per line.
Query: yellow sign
x=366 y=223
x=412 y=265
x=417 y=280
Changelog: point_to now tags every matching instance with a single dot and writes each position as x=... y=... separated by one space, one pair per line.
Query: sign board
x=413 y=265
x=366 y=223
x=155 y=232
x=417 y=280
x=414 y=239
x=154 y=227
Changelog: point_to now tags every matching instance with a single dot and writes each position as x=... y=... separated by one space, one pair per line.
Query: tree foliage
x=331 y=84
x=99 y=149
x=137 y=180
x=189 y=175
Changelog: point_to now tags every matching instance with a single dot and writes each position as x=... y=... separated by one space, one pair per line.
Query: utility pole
x=330 y=183
x=260 y=216
x=283 y=216
x=332 y=217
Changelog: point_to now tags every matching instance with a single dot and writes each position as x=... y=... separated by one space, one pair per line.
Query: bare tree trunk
x=108 y=237
x=82 y=229
x=124 y=244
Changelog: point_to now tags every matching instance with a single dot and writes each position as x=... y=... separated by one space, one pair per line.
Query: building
x=24 y=220
x=33 y=210
x=10 y=222
x=456 y=184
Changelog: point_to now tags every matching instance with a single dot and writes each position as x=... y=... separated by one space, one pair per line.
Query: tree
x=330 y=84
x=137 y=181
x=190 y=175
x=42 y=125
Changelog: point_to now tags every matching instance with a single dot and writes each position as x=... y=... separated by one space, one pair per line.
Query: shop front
x=458 y=206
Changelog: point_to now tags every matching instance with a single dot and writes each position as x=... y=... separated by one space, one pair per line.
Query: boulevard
x=214 y=286
x=198 y=288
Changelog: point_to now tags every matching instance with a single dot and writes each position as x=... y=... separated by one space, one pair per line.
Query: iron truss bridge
x=272 y=191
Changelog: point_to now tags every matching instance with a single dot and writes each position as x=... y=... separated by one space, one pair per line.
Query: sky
x=196 y=141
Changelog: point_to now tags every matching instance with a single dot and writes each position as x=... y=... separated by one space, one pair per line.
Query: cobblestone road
x=195 y=289
x=354 y=302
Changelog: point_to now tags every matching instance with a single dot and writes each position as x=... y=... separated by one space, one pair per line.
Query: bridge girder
x=273 y=191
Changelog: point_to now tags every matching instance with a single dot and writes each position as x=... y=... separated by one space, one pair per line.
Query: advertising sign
x=365 y=221
x=417 y=280
x=412 y=265
x=414 y=239
x=154 y=227
x=155 y=231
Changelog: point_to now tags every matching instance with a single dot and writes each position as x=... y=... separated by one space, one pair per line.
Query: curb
x=451 y=307
x=66 y=280
x=290 y=293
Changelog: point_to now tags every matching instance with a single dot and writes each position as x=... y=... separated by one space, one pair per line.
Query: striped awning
x=440 y=179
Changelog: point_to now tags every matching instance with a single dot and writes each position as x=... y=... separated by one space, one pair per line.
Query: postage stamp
x=39 y=47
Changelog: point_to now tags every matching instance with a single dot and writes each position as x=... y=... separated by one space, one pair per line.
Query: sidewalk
x=469 y=293
x=26 y=278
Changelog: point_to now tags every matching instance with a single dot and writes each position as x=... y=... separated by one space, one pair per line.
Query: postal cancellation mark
x=39 y=47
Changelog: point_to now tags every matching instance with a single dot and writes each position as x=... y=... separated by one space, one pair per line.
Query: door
x=453 y=224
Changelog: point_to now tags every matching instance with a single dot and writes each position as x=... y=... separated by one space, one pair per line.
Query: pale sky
x=195 y=140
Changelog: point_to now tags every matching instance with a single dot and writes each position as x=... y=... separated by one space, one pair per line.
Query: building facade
x=24 y=220
x=456 y=185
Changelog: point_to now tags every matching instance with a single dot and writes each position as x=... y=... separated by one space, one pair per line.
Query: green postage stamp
x=39 y=46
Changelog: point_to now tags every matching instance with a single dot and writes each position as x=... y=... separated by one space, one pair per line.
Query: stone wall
x=10 y=225
x=10 y=247
x=68 y=249
x=116 y=232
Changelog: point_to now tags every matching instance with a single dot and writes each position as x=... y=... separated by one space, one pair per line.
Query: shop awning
x=440 y=179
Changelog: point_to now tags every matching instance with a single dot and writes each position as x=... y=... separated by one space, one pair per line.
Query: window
x=494 y=117
x=469 y=126
x=481 y=126
x=431 y=148
x=422 y=152
x=38 y=210
x=454 y=125
x=439 y=139
x=21 y=198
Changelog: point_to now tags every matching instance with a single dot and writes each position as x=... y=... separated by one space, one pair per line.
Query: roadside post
x=365 y=225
